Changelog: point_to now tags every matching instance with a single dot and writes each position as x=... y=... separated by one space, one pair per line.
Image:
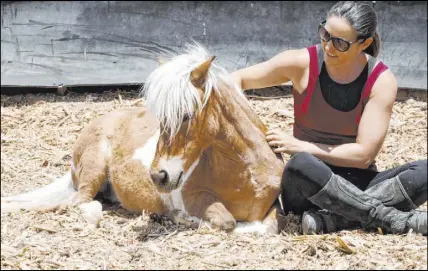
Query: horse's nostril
x=160 y=178
x=181 y=176
x=163 y=177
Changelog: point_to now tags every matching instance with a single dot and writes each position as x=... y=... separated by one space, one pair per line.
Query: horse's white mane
x=170 y=95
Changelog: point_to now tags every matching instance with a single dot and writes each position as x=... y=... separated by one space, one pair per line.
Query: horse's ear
x=199 y=75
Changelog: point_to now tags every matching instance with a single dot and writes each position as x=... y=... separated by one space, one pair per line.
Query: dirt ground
x=37 y=133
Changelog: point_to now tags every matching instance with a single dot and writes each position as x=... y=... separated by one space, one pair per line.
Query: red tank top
x=315 y=120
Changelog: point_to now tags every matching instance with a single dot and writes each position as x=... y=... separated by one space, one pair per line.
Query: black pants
x=305 y=175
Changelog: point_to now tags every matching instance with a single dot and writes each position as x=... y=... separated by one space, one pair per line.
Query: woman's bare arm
x=284 y=67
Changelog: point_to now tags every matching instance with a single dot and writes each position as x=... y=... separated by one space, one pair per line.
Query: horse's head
x=179 y=92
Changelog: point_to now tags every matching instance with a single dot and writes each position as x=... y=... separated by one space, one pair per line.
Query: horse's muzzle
x=160 y=178
x=165 y=182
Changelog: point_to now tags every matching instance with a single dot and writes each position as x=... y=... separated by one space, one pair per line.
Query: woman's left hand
x=281 y=142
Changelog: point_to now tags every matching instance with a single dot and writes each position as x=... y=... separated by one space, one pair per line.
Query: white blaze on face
x=174 y=167
x=146 y=154
x=189 y=172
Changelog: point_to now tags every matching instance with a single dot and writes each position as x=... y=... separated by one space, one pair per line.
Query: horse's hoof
x=92 y=212
x=224 y=225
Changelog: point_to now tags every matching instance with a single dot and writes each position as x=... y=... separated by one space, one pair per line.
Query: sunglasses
x=338 y=43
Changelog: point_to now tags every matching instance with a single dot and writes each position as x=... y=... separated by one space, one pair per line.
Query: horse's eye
x=186 y=117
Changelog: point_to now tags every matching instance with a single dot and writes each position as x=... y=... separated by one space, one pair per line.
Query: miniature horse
x=197 y=152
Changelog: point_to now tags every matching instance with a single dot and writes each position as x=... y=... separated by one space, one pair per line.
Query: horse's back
x=126 y=128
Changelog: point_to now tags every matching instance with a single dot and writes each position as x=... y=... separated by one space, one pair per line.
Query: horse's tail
x=59 y=193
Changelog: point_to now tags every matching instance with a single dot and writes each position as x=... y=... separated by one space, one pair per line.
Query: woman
x=343 y=99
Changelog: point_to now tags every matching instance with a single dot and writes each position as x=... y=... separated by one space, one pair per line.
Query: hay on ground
x=37 y=134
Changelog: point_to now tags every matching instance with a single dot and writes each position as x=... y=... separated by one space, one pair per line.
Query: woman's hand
x=281 y=142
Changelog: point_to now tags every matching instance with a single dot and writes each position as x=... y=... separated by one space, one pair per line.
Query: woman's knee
x=416 y=176
x=299 y=161
x=302 y=179
x=414 y=181
x=307 y=166
x=307 y=172
x=421 y=167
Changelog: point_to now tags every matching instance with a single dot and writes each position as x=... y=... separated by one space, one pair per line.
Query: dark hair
x=362 y=16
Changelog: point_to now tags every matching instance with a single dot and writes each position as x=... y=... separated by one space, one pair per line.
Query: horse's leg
x=92 y=212
x=91 y=175
x=274 y=218
x=134 y=188
x=209 y=208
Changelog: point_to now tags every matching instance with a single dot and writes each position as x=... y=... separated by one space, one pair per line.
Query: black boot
x=324 y=221
x=390 y=192
x=344 y=199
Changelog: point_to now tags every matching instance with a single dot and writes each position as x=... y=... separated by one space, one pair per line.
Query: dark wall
x=46 y=43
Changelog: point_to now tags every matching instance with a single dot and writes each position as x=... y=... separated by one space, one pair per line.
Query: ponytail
x=374 y=48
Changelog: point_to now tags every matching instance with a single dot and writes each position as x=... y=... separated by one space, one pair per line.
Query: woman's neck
x=349 y=71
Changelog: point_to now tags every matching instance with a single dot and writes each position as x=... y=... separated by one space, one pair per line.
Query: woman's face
x=336 y=27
